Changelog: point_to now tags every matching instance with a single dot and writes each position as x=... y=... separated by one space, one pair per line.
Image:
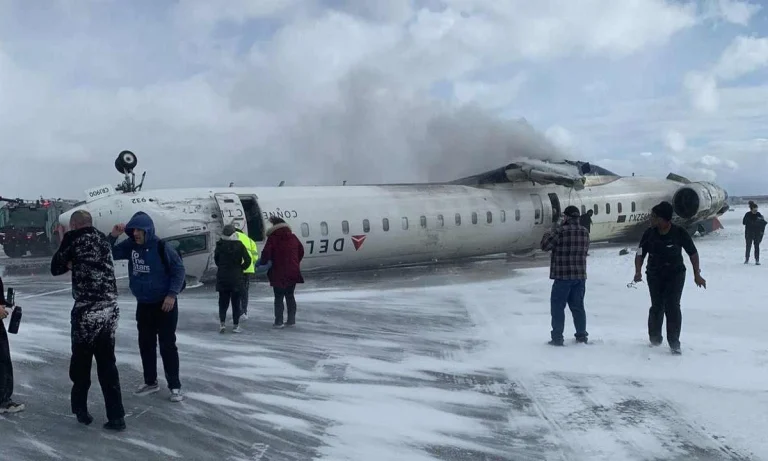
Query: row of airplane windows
x=441 y=220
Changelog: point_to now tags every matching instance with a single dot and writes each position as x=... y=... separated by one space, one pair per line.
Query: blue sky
x=320 y=91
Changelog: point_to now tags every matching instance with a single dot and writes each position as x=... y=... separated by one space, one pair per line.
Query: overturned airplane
x=506 y=210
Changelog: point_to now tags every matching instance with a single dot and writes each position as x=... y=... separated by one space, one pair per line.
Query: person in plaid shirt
x=569 y=244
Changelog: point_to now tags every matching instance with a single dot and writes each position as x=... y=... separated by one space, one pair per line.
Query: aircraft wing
x=568 y=174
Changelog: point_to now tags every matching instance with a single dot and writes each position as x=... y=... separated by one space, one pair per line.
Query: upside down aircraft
x=354 y=227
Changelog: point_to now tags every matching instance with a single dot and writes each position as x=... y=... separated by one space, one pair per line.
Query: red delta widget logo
x=326 y=246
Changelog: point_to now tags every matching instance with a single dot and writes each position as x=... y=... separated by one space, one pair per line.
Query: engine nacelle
x=700 y=200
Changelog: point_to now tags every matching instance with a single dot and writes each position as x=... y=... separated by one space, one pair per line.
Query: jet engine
x=700 y=200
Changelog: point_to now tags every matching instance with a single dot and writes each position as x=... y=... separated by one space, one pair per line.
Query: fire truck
x=31 y=226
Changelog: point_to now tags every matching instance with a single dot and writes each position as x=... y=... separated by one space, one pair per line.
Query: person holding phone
x=6 y=367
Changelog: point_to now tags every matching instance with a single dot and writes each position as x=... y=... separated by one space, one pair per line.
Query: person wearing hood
x=155 y=280
x=285 y=252
x=754 y=228
x=569 y=244
x=663 y=243
x=231 y=258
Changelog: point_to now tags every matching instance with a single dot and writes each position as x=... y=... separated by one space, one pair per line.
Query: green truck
x=31 y=226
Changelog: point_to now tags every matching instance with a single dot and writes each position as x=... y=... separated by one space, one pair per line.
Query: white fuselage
x=357 y=227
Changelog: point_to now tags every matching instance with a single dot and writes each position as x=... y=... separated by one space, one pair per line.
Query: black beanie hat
x=571 y=211
x=663 y=210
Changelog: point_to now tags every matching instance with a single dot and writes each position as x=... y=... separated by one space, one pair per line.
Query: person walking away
x=663 y=243
x=586 y=220
x=754 y=228
x=6 y=366
x=569 y=244
x=253 y=251
x=156 y=277
x=231 y=258
x=86 y=252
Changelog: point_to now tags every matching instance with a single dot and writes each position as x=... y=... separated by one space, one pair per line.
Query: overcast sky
x=318 y=91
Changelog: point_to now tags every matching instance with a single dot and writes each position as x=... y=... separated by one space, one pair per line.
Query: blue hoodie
x=149 y=280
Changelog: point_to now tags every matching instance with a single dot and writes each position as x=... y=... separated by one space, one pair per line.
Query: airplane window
x=366 y=226
x=489 y=217
x=537 y=215
x=424 y=222
x=517 y=215
x=596 y=209
x=440 y=221
x=474 y=218
x=583 y=209
x=458 y=219
x=385 y=224
x=189 y=244
x=304 y=229
x=405 y=223
x=503 y=216
x=618 y=209
x=324 y=228
x=633 y=207
x=345 y=227
x=607 y=208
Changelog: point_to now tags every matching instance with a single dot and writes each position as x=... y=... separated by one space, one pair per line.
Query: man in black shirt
x=6 y=367
x=663 y=242
x=754 y=228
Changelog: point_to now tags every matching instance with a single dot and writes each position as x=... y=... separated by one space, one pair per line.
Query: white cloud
x=675 y=141
x=743 y=56
x=283 y=89
x=734 y=11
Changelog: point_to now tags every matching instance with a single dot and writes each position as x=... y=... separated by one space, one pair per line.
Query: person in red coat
x=284 y=250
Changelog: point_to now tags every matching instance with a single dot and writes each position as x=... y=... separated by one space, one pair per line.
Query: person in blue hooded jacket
x=156 y=285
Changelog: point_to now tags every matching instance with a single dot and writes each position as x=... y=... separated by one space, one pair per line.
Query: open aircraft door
x=232 y=211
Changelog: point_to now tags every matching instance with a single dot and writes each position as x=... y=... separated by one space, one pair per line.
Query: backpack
x=161 y=249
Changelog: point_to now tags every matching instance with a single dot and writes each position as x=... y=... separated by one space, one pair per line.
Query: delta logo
x=358 y=240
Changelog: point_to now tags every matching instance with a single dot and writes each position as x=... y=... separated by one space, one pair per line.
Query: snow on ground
x=438 y=364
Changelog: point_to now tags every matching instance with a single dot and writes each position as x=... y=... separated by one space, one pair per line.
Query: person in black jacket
x=231 y=258
x=6 y=367
x=754 y=228
x=86 y=252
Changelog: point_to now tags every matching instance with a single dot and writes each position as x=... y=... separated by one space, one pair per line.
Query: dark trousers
x=287 y=294
x=103 y=350
x=224 y=299
x=6 y=367
x=569 y=292
x=244 y=294
x=753 y=240
x=666 y=291
x=155 y=326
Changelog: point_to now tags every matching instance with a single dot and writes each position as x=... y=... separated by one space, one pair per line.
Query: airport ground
x=447 y=363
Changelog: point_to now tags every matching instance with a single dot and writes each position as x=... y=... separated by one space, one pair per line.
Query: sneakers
x=582 y=339
x=244 y=316
x=237 y=329
x=176 y=395
x=146 y=389
x=278 y=325
x=556 y=342
x=11 y=407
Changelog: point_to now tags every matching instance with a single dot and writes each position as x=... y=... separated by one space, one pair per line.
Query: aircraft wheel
x=126 y=161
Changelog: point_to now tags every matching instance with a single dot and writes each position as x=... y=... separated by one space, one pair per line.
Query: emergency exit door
x=231 y=210
x=538 y=209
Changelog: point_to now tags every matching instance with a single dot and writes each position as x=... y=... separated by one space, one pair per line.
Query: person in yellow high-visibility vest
x=253 y=251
